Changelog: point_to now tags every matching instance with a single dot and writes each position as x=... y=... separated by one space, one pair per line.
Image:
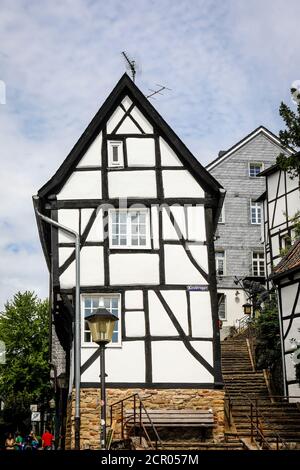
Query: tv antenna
x=130 y=65
x=158 y=91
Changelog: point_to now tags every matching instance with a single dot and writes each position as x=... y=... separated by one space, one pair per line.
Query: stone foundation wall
x=197 y=399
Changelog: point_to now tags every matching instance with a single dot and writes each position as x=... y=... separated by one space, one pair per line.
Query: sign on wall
x=202 y=288
x=35 y=416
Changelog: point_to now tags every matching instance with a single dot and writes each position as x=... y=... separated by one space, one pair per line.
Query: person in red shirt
x=47 y=439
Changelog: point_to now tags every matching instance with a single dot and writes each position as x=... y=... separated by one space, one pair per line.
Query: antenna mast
x=131 y=65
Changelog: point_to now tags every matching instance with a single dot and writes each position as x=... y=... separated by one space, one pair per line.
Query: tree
x=290 y=137
x=24 y=378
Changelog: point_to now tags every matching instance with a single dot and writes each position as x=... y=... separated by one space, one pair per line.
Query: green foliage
x=268 y=347
x=290 y=137
x=24 y=378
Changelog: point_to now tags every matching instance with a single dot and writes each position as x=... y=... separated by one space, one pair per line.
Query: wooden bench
x=203 y=419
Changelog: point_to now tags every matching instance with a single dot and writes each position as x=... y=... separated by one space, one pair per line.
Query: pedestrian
x=19 y=441
x=10 y=442
x=47 y=440
x=34 y=440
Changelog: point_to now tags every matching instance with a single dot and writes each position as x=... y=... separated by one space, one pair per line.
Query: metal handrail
x=258 y=416
x=136 y=396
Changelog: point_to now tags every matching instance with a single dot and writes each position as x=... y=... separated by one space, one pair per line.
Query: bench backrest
x=163 y=417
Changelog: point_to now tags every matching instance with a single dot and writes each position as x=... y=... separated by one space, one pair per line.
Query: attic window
x=115 y=153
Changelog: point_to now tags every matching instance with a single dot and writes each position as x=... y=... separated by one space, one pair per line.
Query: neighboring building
x=281 y=230
x=154 y=267
x=239 y=249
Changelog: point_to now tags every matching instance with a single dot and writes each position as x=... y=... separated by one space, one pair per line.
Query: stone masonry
x=198 y=399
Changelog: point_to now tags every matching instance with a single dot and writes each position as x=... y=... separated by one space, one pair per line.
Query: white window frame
x=224 y=262
x=90 y=344
x=258 y=208
x=261 y=164
x=128 y=233
x=225 y=308
x=222 y=215
x=258 y=259
x=119 y=145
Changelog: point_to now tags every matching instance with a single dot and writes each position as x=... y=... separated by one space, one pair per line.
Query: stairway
x=241 y=381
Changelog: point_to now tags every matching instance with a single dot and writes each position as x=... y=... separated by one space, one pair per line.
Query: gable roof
x=124 y=87
x=290 y=262
x=223 y=155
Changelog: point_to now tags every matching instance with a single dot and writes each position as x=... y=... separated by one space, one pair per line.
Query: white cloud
x=228 y=64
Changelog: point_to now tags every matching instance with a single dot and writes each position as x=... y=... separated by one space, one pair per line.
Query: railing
x=136 y=419
x=242 y=323
x=256 y=420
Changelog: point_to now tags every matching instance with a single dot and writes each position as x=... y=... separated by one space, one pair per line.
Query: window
x=115 y=153
x=255 y=210
x=258 y=264
x=111 y=302
x=222 y=306
x=254 y=169
x=222 y=216
x=220 y=263
x=129 y=228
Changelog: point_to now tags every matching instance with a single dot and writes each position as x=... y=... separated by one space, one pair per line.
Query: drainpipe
x=77 y=315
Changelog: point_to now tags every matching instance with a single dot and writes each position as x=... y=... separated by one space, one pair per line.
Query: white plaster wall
x=96 y=231
x=63 y=255
x=128 y=127
x=126 y=102
x=160 y=323
x=201 y=314
x=293 y=201
x=155 y=229
x=275 y=245
x=168 y=156
x=291 y=183
x=114 y=119
x=177 y=301
x=179 y=183
x=233 y=308
x=135 y=323
x=196 y=223
x=172 y=362
x=139 y=184
x=140 y=152
x=134 y=269
x=69 y=218
x=124 y=364
x=141 y=120
x=199 y=253
x=280 y=211
x=134 y=299
x=272 y=185
x=91 y=268
x=179 y=269
x=288 y=296
x=92 y=156
x=169 y=232
x=281 y=190
x=82 y=185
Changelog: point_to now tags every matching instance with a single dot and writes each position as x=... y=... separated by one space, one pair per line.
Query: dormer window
x=115 y=153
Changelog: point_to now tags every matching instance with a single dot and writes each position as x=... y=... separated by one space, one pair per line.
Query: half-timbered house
x=146 y=211
x=281 y=216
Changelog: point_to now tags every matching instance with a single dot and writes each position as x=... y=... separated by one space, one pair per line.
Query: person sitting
x=19 y=441
x=47 y=440
x=10 y=442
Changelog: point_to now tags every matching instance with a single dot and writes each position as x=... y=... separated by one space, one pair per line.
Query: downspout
x=77 y=315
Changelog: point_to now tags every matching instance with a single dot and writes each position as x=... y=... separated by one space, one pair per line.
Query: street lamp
x=101 y=324
x=247 y=309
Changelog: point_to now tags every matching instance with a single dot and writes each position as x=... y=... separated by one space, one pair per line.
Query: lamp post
x=101 y=324
x=62 y=385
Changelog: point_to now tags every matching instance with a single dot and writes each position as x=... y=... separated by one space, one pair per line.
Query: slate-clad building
x=147 y=212
x=239 y=241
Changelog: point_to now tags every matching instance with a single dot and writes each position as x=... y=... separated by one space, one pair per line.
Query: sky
x=228 y=64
